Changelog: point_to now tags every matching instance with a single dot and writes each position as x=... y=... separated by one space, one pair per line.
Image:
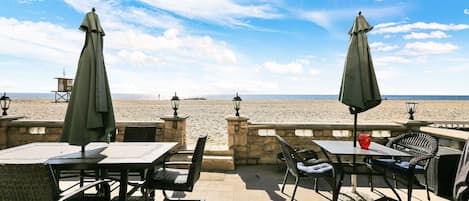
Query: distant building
x=64 y=89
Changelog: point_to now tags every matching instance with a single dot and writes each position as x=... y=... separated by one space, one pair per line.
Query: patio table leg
x=342 y=173
x=353 y=181
x=123 y=185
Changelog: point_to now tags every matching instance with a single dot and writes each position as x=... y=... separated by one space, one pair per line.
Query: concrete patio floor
x=262 y=183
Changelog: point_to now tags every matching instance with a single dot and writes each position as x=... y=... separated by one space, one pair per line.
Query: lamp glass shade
x=175 y=102
x=236 y=102
x=5 y=102
x=411 y=106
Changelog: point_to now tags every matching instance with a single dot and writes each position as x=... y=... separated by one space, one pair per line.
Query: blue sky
x=223 y=46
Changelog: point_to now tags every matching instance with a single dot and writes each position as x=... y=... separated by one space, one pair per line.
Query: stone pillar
x=4 y=122
x=238 y=138
x=174 y=129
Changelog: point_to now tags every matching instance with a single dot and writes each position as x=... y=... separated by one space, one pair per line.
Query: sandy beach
x=208 y=116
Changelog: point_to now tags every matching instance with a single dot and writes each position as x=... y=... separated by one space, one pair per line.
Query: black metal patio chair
x=299 y=169
x=139 y=134
x=422 y=147
x=177 y=175
x=26 y=182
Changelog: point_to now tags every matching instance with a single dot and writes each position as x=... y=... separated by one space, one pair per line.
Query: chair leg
x=385 y=177
x=316 y=183
x=284 y=180
x=370 y=182
x=426 y=186
x=335 y=192
x=145 y=194
x=294 y=190
x=395 y=181
x=166 y=198
x=409 y=187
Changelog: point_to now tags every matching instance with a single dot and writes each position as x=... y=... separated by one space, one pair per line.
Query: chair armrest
x=67 y=195
x=315 y=162
x=191 y=152
x=182 y=152
x=177 y=163
x=306 y=154
x=413 y=162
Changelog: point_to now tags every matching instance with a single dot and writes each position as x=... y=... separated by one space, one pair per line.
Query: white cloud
x=294 y=67
x=313 y=71
x=224 y=12
x=28 y=1
x=429 y=48
x=383 y=25
x=40 y=40
x=402 y=28
x=379 y=46
x=115 y=16
x=126 y=35
x=290 y=68
x=458 y=69
x=387 y=73
x=246 y=86
x=390 y=60
x=328 y=18
x=139 y=58
x=54 y=43
x=433 y=34
x=466 y=11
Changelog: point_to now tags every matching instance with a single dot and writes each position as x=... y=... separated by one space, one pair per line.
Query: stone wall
x=14 y=131
x=254 y=142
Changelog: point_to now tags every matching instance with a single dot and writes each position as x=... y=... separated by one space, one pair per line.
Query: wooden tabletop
x=112 y=155
x=337 y=147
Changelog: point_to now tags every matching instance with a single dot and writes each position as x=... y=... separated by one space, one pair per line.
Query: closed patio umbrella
x=90 y=115
x=359 y=89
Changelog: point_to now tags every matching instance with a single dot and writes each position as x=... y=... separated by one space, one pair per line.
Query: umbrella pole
x=355 y=129
x=353 y=176
x=82 y=172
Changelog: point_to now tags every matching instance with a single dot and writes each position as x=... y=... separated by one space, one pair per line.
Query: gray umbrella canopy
x=90 y=115
x=359 y=88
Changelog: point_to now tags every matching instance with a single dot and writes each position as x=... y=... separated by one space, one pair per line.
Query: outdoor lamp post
x=5 y=103
x=411 y=109
x=236 y=103
x=175 y=104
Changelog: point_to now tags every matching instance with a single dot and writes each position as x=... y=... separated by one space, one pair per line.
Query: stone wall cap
x=10 y=118
x=413 y=122
x=326 y=125
x=446 y=133
x=234 y=118
x=173 y=118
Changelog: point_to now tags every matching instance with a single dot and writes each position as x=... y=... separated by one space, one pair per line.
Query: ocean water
x=120 y=96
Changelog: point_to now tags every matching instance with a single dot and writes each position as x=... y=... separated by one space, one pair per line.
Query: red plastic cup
x=364 y=140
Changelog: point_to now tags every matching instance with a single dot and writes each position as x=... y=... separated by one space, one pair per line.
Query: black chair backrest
x=196 y=166
x=289 y=154
x=20 y=182
x=140 y=134
x=417 y=144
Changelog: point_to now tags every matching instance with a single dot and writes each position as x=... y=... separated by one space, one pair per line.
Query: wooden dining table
x=116 y=156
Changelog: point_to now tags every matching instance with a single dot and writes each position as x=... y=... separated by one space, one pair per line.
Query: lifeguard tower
x=64 y=89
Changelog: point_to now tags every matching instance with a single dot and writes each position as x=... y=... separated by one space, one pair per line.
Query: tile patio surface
x=263 y=183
